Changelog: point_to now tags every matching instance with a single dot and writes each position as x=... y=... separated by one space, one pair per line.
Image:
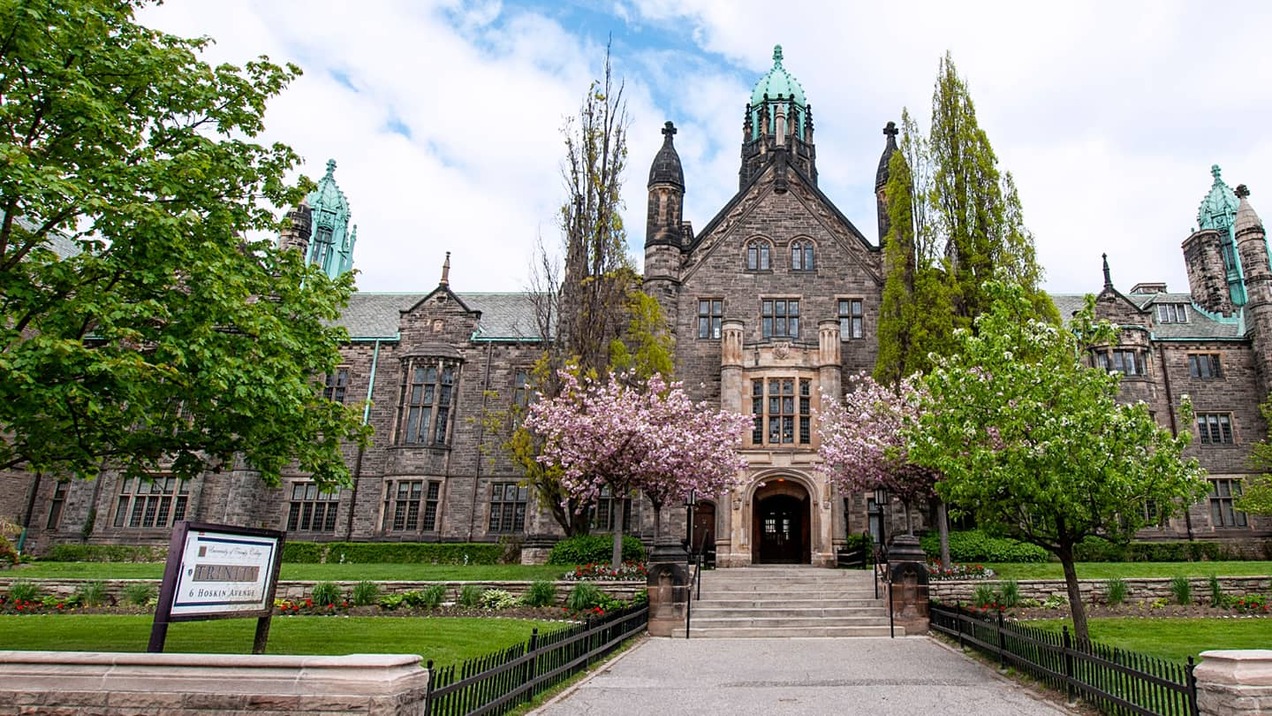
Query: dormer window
x=801 y=255
x=758 y=256
x=1172 y=313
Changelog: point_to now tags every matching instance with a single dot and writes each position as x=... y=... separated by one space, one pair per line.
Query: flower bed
x=629 y=572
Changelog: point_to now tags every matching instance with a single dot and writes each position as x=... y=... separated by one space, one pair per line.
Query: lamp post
x=881 y=498
x=690 y=502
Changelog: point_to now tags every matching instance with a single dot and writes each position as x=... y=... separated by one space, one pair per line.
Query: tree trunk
x=943 y=526
x=1076 y=608
x=617 y=556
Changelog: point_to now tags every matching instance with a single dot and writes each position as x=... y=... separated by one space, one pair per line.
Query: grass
x=307 y=572
x=1174 y=638
x=1133 y=570
x=444 y=640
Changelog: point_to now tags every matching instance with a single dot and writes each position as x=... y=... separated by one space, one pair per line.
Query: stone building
x=773 y=303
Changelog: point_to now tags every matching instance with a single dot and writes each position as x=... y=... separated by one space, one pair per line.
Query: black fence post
x=958 y=623
x=1002 y=643
x=428 y=690
x=1191 y=681
x=1069 y=691
x=532 y=673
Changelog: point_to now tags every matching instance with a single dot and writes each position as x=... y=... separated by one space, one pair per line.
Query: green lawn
x=444 y=640
x=1175 y=638
x=315 y=572
x=1127 y=570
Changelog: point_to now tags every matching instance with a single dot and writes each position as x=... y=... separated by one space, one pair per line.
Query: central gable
x=781 y=205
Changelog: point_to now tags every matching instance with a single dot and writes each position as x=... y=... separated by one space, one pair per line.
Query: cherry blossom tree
x=626 y=434
x=862 y=444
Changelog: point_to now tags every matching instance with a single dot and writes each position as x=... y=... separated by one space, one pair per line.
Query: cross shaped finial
x=1214 y=171
x=891 y=129
x=777 y=54
x=331 y=167
x=668 y=129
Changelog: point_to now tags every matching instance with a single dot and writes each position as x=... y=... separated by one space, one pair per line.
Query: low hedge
x=976 y=546
x=1095 y=549
x=593 y=549
x=394 y=552
x=75 y=552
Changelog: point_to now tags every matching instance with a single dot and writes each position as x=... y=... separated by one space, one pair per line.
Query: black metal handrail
x=499 y=682
x=1113 y=680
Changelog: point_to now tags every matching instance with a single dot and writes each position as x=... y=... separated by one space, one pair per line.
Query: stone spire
x=445 y=282
x=666 y=194
x=881 y=178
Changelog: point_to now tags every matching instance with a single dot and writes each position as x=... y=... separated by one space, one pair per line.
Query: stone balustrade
x=119 y=684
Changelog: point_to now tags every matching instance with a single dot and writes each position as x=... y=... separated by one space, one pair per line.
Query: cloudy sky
x=444 y=116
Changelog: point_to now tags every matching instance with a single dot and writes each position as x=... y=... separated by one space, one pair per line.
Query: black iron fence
x=497 y=683
x=1112 y=680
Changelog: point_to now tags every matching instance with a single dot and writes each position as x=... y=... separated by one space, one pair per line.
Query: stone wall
x=1234 y=683
x=115 y=684
x=1094 y=590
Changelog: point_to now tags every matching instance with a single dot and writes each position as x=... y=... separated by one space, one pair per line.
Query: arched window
x=758 y=256
x=802 y=255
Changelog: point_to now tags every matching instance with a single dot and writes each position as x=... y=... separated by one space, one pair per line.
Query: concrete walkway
x=740 y=677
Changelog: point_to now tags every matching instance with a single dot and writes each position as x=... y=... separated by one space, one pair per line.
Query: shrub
x=583 y=596
x=8 y=554
x=304 y=552
x=434 y=596
x=976 y=546
x=470 y=596
x=1096 y=549
x=394 y=552
x=1181 y=589
x=984 y=596
x=105 y=553
x=24 y=591
x=325 y=593
x=90 y=594
x=498 y=599
x=391 y=602
x=542 y=593
x=1115 y=591
x=590 y=549
x=365 y=593
x=1009 y=594
x=140 y=594
x=1217 y=597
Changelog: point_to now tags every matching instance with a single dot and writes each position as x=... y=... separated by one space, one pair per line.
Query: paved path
x=781 y=677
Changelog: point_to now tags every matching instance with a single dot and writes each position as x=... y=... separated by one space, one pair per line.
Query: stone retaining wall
x=298 y=590
x=1234 y=683
x=116 y=684
x=1094 y=590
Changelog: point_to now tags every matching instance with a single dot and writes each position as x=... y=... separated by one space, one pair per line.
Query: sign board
x=217 y=572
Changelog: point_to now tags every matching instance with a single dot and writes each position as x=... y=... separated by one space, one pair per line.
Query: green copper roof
x=331 y=244
x=777 y=83
x=777 y=89
x=1219 y=208
x=1218 y=211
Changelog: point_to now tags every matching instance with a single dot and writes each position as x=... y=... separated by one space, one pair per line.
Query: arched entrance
x=780 y=525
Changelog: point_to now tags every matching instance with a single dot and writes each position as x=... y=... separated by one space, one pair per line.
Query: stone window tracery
x=782 y=408
x=428 y=393
x=710 y=315
x=779 y=317
x=758 y=255
x=851 y=319
x=411 y=505
x=312 y=510
x=508 y=502
x=802 y=255
x=151 y=503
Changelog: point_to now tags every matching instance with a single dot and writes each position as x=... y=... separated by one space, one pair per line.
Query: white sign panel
x=224 y=573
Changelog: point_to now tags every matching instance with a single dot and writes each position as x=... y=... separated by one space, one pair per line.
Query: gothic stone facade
x=773 y=305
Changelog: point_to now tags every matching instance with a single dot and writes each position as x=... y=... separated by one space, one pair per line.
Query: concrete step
x=778 y=625
x=779 y=603
x=707 y=612
x=766 y=633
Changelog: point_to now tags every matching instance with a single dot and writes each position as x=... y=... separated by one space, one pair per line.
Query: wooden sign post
x=218 y=572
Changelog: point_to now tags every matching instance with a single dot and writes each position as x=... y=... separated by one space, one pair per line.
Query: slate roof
x=504 y=316
x=1200 y=326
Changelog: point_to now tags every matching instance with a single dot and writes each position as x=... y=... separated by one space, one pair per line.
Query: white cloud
x=444 y=117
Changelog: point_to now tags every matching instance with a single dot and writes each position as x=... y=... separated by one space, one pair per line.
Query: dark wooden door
x=781 y=526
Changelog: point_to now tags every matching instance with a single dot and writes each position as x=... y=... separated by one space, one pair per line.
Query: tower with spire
x=1214 y=268
x=332 y=239
x=881 y=177
x=778 y=122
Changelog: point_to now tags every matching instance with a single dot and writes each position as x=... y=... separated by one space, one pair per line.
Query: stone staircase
x=788 y=601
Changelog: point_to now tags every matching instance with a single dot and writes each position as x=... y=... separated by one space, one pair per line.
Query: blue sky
x=444 y=116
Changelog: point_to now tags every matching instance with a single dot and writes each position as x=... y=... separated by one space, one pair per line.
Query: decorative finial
x=331 y=167
x=668 y=130
x=777 y=55
x=446 y=270
x=1242 y=191
x=890 y=129
x=1214 y=172
x=1108 y=279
